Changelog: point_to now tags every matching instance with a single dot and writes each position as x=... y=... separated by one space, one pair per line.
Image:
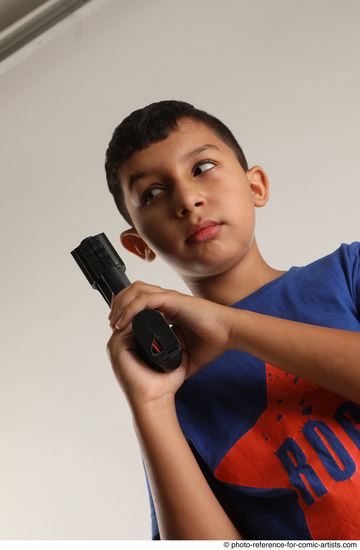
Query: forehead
x=190 y=135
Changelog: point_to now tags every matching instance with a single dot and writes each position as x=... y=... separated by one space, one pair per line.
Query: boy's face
x=190 y=178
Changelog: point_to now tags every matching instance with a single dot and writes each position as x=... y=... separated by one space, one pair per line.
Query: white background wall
x=284 y=75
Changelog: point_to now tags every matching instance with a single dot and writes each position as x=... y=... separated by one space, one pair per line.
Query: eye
x=203 y=166
x=150 y=194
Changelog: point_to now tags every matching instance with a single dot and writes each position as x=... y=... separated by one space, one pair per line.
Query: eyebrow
x=139 y=175
x=200 y=150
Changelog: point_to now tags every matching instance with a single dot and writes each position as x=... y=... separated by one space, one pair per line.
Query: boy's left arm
x=326 y=356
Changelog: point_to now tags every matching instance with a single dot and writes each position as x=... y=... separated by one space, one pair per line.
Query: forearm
x=326 y=356
x=186 y=507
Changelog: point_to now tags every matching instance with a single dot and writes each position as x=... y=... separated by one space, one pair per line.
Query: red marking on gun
x=156 y=347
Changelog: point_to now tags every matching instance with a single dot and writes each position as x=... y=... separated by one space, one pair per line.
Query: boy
x=257 y=433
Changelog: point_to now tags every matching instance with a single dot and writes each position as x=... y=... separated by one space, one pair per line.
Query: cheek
x=232 y=188
x=234 y=200
x=239 y=214
x=156 y=237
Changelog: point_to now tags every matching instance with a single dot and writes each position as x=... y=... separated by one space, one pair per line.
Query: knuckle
x=114 y=304
x=109 y=346
x=112 y=343
x=141 y=301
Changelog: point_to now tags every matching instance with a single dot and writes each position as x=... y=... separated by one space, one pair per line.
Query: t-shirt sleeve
x=352 y=255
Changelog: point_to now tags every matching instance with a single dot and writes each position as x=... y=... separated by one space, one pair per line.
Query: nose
x=186 y=197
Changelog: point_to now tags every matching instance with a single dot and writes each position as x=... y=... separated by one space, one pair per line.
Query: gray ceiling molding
x=35 y=23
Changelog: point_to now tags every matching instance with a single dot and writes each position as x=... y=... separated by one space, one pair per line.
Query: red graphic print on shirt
x=307 y=440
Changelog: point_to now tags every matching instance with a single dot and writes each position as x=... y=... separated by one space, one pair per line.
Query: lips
x=199 y=228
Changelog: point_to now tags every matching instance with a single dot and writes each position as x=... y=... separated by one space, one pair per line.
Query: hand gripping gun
x=156 y=343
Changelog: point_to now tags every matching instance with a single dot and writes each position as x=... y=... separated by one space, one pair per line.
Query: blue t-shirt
x=280 y=453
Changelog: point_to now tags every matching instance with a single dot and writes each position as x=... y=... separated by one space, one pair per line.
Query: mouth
x=204 y=231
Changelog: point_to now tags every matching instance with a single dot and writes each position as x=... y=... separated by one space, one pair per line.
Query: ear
x=259 y=185
x=133 y=242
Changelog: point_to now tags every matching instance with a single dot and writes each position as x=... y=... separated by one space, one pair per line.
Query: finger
x=119 y=342
x=126 y=331
x=114 y=299
x=128 y=295
x=122 y=298
x=114 y=324
x=163 y=301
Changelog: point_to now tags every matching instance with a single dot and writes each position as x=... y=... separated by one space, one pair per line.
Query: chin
x=207 y=267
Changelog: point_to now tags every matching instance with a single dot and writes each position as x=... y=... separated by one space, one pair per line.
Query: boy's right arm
x=186 y=507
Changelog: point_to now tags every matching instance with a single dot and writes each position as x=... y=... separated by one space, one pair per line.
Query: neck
x=236 y=283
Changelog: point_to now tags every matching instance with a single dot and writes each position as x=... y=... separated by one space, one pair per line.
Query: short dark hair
x=151 y=124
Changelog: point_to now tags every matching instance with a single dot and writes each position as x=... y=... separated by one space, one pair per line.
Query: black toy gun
x=156 y=343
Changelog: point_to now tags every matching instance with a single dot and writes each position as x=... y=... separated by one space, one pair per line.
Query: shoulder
x=337 y=274
x=345 y=255
x=352 y=250
x=349 y=257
